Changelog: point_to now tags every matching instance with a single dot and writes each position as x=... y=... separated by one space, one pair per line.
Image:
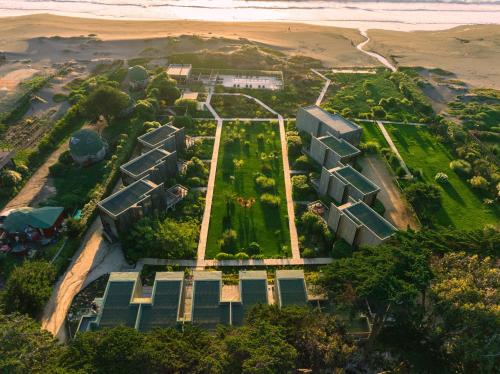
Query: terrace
x=339 y=146
x=371 y=219
x=167 y=136
x=143 y=165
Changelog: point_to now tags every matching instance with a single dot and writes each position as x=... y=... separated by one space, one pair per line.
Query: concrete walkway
x=394 y=149
x=380 y=58
x=391 y=122
x=205 y=223
x=240 y=263
x=325 y=87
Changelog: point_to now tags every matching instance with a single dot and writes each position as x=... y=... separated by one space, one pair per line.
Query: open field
x=238 y=107
x=263 y=224
x=461 y=206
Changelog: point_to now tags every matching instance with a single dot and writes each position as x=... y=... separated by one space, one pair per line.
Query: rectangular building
x=318 y=122
x=329 y=151
x=120 y=210
x=167 y=137
x=179 y=72
x=344 y=183
x=253 y=291
x=290 y=288
x=124 y=304
x=358 y=224
x=158 y=163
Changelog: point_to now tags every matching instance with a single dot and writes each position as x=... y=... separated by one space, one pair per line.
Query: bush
x=224 y=256
x=265 y=183
x=254 y=249
x=10 y=178
x=151 y=125
x=196 y=168
x=229 y=241
x=303 y=163
x=270 y=200
x=479 y=182
x=28 y=287
x=370 y=147
x=300 y=186
x=308 y=253
x=441 y=178
x=425 y=199
x=461 y=167
x=241 y=256
x=22 y=169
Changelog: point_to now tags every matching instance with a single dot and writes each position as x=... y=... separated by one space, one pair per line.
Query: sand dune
x=472 y=52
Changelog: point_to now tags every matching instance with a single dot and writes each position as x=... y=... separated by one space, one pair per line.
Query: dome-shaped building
x=137 y=77
x=87 y=147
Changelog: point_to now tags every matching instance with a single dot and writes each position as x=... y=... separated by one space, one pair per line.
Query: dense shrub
x=10 y=178
x=254 y=249
x=300 y=186
x=229 y=241
x=461 y=167
x=270 y=200
x=441 y=178
x=479 y=182
x=265 y=183
x=370 y=147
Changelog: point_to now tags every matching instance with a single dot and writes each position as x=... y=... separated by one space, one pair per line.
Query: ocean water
x=391 y=14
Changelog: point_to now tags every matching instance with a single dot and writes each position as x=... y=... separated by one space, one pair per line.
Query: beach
x=471 y=52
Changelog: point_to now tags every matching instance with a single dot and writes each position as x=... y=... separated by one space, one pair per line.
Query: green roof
x=116 y=308
x=137 y=73
x=146 y=161
x=339 y=146
x=85 y=143
x=40 y=218
x=208 y=311
x=357 y=179
x=371 y=219
x=158 y=135
x=292 y=292
x=127 y=197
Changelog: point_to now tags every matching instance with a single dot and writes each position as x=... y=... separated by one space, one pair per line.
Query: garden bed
x=249 y=150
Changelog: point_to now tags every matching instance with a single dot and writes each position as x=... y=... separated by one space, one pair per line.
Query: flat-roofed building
x=344 y=183
x=207 y=308
x=358 y=224
x=290 y=288
x=179 y=72
x=158 y=164
x=253 y=291
x=329 y=151
x=167 y=137
x=318 y=122
x=128 y=205
x=124 y=303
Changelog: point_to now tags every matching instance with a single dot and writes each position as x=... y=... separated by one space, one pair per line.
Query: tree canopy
x=164 y=88
x=107 y=101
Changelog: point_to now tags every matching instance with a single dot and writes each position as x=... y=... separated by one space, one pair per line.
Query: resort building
x=358 y=224
x=179 y=72
x=87 y=147
x=202 y=300
x=167 y=137
x=158 y=163
x=126 y=302
x=345 y=183
x=143 y=197
x=329 y=151
x=318 y=122
x=290 y=288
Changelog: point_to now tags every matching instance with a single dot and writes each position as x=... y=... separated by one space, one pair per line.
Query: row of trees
x=431 y=298
x=272 y=341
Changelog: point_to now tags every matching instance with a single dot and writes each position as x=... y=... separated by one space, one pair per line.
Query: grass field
x=265 y=225
x=238 y=107
x=461 y=206
x=371 y=132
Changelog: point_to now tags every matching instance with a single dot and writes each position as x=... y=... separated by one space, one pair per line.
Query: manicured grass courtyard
x=248 y=150
x=462 y=207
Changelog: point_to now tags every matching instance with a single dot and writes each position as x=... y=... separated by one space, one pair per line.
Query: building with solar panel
x=124 y=303
x=344 y=183
x=167 y=137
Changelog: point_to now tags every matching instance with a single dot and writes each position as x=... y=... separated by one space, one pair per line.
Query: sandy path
x=94 y=258
x=396 y=210
x=38 y=187
x=379 y=57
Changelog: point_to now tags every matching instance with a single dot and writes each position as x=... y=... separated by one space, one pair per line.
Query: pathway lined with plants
x=394 y=149
x=205 y=223
x=237 y=263
x=325 y=87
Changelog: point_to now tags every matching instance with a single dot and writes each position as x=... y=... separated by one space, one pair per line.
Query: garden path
x=394 y=149
x=325 y=87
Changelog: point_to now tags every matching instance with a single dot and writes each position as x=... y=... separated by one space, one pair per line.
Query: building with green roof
x=87 y=147
x=358 y=224
x=45 y=220
x=344 y=182
x=137 y=77
x=329 y=151
x=167 y=137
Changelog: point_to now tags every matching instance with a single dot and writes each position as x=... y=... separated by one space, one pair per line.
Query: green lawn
x=239 y=107
x=461 y=206
x=371 y=132
x=265 y=225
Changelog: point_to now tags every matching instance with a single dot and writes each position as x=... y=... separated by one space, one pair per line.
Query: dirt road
x=396 y=208
x=94 y=258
